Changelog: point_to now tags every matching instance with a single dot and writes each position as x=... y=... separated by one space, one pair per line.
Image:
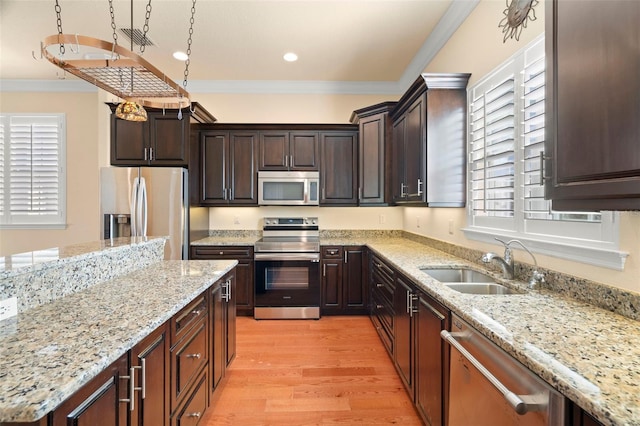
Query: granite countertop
x=589 y=354
x=242 y=240
x=49 y=352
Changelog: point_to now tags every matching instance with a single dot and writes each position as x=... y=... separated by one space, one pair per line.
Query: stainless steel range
x=287 y=269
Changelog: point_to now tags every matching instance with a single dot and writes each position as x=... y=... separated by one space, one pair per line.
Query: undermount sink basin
x=458 y=275
x=468 y=281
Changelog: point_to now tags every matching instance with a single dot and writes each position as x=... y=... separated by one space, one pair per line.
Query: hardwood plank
x=333 y=371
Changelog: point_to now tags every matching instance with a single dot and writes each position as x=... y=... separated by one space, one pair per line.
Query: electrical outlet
x=8 y=308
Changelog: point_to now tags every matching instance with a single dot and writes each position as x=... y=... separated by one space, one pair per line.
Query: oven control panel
x=285 y=222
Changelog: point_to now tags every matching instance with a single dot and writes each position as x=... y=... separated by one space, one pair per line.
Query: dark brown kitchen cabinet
x=592 y=105
x=243 y=294
x=162 y=140
x=339 y=168
x=374 y=149
x=288 y=150
x=228 y=168
x=404 y=330
x=429 y=142
x=101 y=402
x=344 y=284
x=578 y=417
x=431 y=359
x=222 y=346
x=149 y=365
x=382 y=290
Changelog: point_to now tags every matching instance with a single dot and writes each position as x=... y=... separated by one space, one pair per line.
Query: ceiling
x=366 y=42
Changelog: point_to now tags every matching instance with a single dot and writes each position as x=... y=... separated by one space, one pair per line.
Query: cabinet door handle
x=286 y=161
x=291 y=162
x=151 y=154
x=359 y=193
x=542 y=158
x=403 y=194
x=230 y=194
x=131 y=390
x=144 y=378
x=194 y=356
x=345 y=256
x=324 y=270
x=146 y=157
x=420 y=184
x=196 y=415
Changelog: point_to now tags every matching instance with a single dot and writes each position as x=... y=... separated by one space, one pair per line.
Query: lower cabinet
x=243 y=294
x=409 y=322
x=102 y=401
x=344 y=284
x=168 y=378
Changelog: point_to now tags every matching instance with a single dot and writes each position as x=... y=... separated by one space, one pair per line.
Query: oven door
x=287 y=280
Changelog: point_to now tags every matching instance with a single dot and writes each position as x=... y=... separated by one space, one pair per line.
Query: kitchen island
x=50 y=351
x=587 y=353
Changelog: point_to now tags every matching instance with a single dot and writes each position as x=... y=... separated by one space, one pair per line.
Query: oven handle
x=314 y=257
x=517 y=402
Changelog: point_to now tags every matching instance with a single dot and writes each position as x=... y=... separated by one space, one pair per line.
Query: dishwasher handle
x=515 y=401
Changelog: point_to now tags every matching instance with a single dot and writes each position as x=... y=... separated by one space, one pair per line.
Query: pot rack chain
x=186 y=63
x=113 y=23
x=59 y=22
x=145 y=28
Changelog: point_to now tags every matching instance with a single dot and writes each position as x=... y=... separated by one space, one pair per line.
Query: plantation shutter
x=32 y=169
x=492 y=117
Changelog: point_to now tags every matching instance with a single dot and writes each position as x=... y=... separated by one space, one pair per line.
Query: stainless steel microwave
x=288 y=188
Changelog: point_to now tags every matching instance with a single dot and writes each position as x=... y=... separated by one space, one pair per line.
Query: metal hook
x=77 y=46
x=192 y=110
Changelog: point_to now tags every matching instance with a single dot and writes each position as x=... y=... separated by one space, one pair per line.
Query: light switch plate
x=8 y=308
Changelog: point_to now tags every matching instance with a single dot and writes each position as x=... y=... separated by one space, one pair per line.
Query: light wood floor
x=332 y=371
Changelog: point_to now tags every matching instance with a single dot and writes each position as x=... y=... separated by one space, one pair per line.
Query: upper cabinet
x=429 y=142
x=288 y=150
x=592 y=146
x=162 y=140
x=339 y=168
x=374 y=153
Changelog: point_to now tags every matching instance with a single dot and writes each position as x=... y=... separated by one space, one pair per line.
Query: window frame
x=22 y=221
x=586 y=242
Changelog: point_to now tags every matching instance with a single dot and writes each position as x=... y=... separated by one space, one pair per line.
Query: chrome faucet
x=507 y=263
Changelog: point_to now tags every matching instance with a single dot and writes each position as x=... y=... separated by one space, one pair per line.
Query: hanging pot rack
x=121 y=72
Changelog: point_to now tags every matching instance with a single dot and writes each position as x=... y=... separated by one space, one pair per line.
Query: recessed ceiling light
x=181 y=56
x=290 y=57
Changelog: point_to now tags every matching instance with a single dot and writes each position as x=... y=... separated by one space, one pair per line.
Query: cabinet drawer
x=222 y=252
x=387 y=339
x=193 y=410
x=187 y=359
x=182 y=322
x=381 y=285
x=331 y=252
x=383 y=310
x=384 y=270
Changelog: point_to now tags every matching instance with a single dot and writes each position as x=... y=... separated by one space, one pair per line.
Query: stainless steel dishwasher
x=490 y=388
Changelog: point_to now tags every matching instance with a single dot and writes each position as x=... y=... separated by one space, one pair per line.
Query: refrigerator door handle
x=142 y=208
x=133 y=207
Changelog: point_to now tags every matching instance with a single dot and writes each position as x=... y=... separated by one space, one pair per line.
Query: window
x=32 y=171
x=506 y=196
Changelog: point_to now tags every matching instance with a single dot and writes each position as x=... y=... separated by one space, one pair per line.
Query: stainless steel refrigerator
x=153 y=200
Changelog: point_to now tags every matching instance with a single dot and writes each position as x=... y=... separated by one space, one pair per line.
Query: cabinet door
x=274 y=151
x=303 y=151
x=338 y=169
x=403 y=332
x=593 y=105
x=217 y=359
x=414 y=151
x=331 y=285
x=431 y=360
x=213 y=171
x=354 y=282
x=243 y=295
x=230 y=319
x=129 y=141
x=169 y=139
x=243 y=174
x=371 y=182
x=150 y=363
x=397 y=153
x=98 y=402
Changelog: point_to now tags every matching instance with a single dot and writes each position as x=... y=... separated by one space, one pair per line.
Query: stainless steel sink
x=481 y=288
x=468 y=281
x=458 y=275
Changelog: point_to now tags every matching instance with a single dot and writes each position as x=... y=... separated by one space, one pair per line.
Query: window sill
x=606 y=257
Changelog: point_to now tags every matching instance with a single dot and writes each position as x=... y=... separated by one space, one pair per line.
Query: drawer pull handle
x=196 y=312
x=196 y=356
x=379 y=285
x=221 y=253
x=196 y=415
x=379 y=306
